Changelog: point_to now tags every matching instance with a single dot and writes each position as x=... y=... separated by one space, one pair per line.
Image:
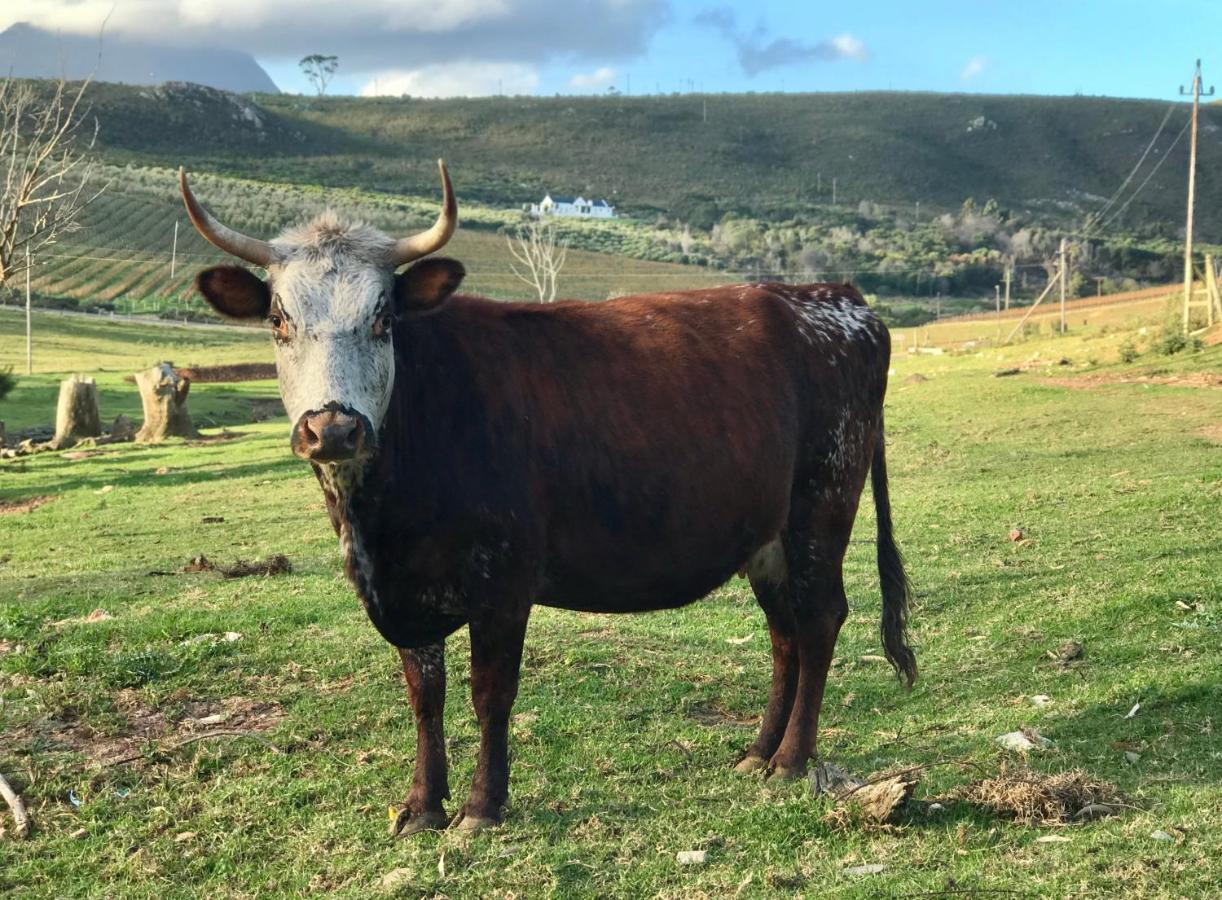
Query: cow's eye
x=280 y=325
x=382 y=324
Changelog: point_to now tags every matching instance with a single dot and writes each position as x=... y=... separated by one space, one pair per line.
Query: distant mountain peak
x=31 y=52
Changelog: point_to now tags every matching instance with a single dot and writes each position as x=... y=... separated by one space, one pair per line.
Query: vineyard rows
x=120 y=256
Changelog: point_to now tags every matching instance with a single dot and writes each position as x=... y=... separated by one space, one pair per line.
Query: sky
x=1118 y=48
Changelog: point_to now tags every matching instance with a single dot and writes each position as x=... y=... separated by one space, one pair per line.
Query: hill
x=696 y=158
x=30 y=52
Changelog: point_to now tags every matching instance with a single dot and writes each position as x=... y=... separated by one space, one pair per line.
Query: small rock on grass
x=867 y=869
x=692 y=857
x=1160 y=835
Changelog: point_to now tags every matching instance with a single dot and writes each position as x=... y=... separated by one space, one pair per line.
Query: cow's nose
x=329 y=436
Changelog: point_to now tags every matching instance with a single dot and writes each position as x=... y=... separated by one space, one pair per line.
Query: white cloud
x=458 y=79
x=599 y=78
x=369 y=35
x=974 y=67
x=849 y=47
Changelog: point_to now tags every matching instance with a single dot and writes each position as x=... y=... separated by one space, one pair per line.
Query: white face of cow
x=331 y=300
x=331 y=318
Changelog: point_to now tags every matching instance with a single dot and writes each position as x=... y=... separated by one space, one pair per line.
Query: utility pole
x=704 y=110
x=1195 y=90
x=174 y=251
x=819 y=182
x=1061 y=275
x=997 y=299
x=918 y=210
x=29 y=340
x=833 y=192
x=1009 y=271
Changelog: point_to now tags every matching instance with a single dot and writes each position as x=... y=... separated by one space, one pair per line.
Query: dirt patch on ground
x=218 y=374
x=28 y=504
x=713 y=714
x=235 y=372
x=277 y=564
x=1188 y=379
x=1211 y=432
x=145 y=729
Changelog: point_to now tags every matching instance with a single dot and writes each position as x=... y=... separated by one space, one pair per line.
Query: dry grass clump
x=1034 y=797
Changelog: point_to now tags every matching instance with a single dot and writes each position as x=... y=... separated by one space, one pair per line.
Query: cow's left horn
x=426 y=242
x=253 y=250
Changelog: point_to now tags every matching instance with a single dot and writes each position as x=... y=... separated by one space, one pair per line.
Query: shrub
x=7 y=381
x=1174 y=341
x=1128 y=351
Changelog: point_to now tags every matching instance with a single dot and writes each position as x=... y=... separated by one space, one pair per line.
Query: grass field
x=625 y=727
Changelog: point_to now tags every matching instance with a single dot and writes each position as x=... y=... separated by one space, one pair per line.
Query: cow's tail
x=896 y=587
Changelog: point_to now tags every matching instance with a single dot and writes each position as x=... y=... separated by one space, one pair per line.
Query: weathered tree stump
x=76 y=415
x=164 y=396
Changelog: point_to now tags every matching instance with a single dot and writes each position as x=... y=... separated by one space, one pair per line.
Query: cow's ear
x=234 y=292
x=427 y=284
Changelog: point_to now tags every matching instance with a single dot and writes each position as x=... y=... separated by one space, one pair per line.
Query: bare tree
x=45 y=166
x=319 y=70
x=534 y=246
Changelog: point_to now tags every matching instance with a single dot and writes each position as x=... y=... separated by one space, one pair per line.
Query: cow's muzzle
x=332 y=434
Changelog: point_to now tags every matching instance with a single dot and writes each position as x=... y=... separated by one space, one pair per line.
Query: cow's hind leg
x=767 y=572
x=816 y=598
x=424 y=670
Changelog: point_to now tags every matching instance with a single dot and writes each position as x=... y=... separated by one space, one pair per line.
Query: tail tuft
x=895 y=585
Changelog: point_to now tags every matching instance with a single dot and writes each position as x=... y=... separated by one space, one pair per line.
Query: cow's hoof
x=475 y=824
x=785 y=773
x=751 y=764
x=408 y=823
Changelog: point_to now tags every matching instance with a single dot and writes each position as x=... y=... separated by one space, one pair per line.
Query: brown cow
x=479 y=457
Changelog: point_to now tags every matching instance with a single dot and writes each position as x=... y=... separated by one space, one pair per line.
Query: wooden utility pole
x=174 y=251
x=1061 y=276
x=833 y=192
x=1009 y=271
x=29 y=340
x=1195 y=90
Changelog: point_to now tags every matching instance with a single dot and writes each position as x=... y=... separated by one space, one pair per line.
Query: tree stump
x=76 y=415
x=164 y=396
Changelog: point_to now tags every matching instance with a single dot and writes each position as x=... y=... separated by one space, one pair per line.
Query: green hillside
x=692 y=157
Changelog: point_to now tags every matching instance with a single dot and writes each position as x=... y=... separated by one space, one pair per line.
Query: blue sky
x=445 y=47
x=1109 y=47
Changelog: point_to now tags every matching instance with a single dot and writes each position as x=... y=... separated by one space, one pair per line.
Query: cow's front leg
x=496 y=658
x=424 y=670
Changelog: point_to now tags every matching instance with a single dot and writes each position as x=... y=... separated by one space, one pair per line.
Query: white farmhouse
x=576 y=207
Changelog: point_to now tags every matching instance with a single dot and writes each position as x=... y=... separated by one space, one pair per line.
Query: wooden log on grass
x=76 y=414
x=163 y=393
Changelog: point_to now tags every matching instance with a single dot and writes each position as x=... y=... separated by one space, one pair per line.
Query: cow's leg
x=424 y=670
x=816 y=592
x=496 y=658
x=767 y=571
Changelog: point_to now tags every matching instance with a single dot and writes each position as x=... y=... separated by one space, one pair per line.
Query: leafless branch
x=540 y=258
x=45 y=167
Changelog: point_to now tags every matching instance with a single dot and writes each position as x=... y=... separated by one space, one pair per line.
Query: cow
x=480 y=457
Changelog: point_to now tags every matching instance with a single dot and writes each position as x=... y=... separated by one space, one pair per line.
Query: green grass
x=626 y=727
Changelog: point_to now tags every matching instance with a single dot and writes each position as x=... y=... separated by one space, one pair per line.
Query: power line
x=1119 y=212
x=1112 y=200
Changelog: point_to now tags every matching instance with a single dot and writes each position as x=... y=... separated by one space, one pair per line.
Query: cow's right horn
x=253 y=250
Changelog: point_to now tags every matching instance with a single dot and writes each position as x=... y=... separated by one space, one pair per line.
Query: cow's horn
x=254 y=251
x=426 y=242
